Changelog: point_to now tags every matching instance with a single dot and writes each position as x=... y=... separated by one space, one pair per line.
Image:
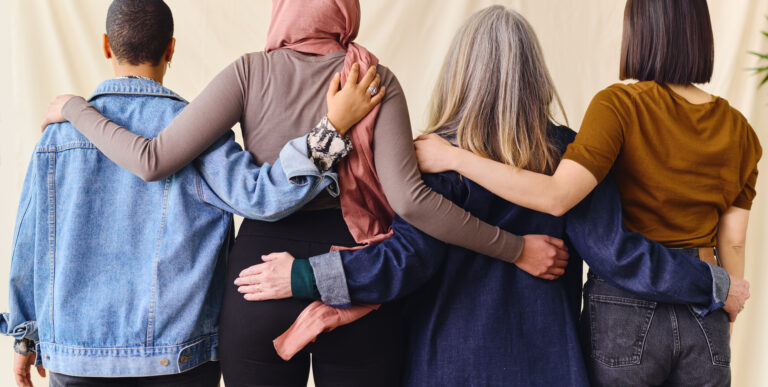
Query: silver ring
x=373 y=90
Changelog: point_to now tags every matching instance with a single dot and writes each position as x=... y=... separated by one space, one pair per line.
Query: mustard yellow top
x=678 y=165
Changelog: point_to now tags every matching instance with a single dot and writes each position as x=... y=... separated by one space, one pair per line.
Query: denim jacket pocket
x=716 y=329
x=618 y=328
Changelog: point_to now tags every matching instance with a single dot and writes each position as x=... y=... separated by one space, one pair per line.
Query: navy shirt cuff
x=721 y=283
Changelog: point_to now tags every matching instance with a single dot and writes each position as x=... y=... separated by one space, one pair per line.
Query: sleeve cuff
x=299 y=169
x=331 y=280
x=303 y=280
x=326 y=146
x=721 y=283
x=23 y=346
x=515 y=249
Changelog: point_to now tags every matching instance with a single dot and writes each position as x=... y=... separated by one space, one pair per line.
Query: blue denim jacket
x=114 y=276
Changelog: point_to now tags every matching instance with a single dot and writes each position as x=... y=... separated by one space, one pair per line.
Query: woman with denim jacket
x=275 y=96
x=470 y=320
x=685 y=164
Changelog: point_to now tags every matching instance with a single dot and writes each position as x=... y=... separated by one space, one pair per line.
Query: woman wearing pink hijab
x=275 y=96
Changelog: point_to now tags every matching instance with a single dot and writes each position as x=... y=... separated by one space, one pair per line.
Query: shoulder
x=742 y=128
x=617 y=101
x=59 y=135
x=389 y=79
x=560 y=136
x=623 y=94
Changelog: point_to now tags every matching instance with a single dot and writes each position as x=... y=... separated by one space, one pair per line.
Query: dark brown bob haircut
x=667 y=41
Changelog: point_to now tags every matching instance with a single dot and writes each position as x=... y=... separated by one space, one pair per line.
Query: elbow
x=150 y=177
x=557 y=207
x=406 y=208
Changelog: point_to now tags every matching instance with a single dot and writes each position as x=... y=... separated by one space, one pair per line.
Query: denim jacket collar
x=134 y=86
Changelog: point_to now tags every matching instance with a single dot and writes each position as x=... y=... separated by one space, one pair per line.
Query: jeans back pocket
x=716 y=328
x=618 y=328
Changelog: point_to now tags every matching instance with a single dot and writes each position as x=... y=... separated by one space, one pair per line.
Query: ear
x=107 y=48
x=170 y=50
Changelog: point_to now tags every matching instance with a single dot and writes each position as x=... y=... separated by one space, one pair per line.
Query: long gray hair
x=495 y=91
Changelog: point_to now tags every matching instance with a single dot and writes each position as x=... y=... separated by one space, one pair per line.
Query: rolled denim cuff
x=326 y=146
x=23 y=346
x=331 y=280
x=721 y=283
x=299 y=168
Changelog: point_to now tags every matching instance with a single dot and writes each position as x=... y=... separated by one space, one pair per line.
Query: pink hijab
x=321 y=27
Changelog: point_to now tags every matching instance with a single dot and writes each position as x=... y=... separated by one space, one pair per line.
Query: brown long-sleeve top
x=276 y=97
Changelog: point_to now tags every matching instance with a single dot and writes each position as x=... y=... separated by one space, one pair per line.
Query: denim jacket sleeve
x=631 y=262
x=232 y=181
x=387 y=270
x=20 y=322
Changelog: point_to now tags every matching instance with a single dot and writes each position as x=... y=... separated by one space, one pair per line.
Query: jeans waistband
x=695 y=252
x=321 y=226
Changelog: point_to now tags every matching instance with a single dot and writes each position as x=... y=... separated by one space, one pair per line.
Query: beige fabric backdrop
x=51 y=47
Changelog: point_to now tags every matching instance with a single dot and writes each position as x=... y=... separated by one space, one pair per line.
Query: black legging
x=364 y=353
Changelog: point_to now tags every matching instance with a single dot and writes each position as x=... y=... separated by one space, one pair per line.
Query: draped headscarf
x=321 y=27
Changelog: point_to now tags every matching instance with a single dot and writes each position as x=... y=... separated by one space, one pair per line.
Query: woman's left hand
x=435 y=154
x=270 y=280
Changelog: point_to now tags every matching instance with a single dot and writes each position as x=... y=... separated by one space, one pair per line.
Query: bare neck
x=155 y=73
x=691 y=93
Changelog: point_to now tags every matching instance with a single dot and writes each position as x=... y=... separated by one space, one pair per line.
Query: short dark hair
x=139 y=30
x=667 y=41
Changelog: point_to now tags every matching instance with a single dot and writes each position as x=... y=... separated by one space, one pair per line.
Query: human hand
x=270 y=280
x=435 y=154
x=738 y=294
x=354 y=101
x=21 y=366
x=53 y=113
x=543 y=256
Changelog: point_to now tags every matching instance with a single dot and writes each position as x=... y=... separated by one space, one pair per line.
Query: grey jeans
x=629 y=341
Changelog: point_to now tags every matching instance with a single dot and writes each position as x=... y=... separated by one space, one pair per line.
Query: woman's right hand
x=738 y=294
x=354 y=101
x=543 y=256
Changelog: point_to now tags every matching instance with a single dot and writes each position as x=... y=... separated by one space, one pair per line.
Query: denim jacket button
x=164 y=362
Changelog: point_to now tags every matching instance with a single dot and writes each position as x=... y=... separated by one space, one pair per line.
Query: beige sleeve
x=410 y=198
x=198 y=126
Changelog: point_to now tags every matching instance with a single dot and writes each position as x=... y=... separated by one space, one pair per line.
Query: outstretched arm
x=210 y=116
x=378 y=273
x=232 y=181
x=634 y=263
x=554 y=194
x=429 y=211
x=585 y=163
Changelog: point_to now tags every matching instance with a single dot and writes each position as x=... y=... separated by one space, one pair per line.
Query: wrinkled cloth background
x=51 y=47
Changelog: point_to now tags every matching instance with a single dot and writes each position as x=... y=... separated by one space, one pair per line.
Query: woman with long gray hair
x=471 y=320
x=685 y=163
